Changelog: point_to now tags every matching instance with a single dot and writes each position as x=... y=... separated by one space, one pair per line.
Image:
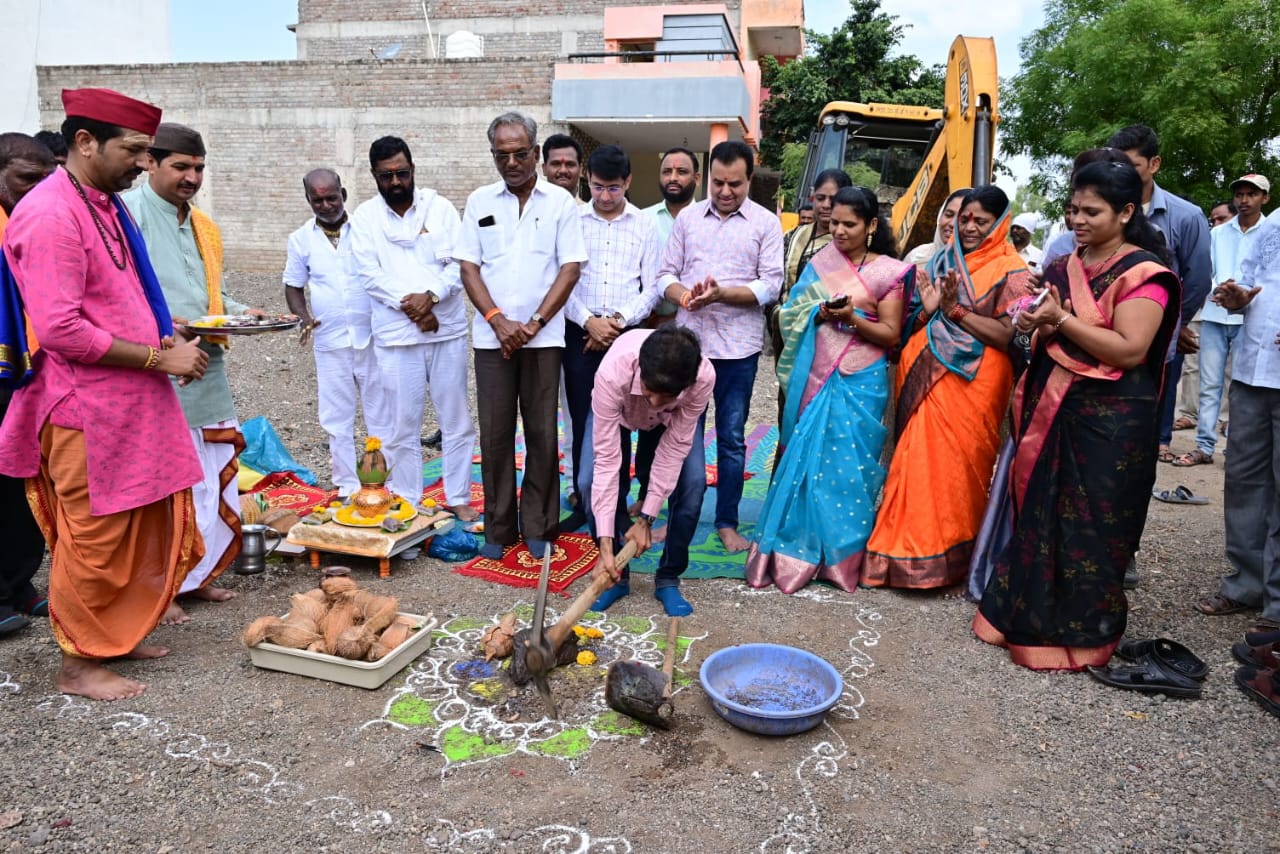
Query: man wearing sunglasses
x=520 y=252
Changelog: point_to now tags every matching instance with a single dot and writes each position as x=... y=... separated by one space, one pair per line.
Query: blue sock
x=536 y=547
x=613 y=594
x=492 y=551
x=672 y=602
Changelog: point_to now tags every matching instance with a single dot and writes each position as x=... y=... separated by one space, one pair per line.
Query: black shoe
x=435 y=440
x=575 y=520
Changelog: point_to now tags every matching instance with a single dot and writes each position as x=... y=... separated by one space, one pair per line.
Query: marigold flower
x=586 y=658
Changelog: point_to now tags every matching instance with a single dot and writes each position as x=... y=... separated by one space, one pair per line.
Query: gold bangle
x=153 y=359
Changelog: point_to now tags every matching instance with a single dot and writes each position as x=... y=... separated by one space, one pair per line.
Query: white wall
x=72 y=32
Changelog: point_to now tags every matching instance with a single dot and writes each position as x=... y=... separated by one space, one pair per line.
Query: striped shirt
x=743 y=249
x=621 y=271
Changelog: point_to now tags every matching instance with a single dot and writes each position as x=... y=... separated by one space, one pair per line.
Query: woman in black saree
x=1085 y=419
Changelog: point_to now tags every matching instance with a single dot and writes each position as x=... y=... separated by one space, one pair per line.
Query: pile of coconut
x=336 y=618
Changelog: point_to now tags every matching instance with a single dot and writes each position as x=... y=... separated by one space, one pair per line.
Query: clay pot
x=371 y=500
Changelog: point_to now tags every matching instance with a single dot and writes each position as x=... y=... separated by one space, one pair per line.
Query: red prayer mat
x=436 y=491
x=572 y=556
x=283 y=489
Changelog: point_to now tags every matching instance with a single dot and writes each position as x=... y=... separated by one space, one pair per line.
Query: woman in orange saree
x=952 y=389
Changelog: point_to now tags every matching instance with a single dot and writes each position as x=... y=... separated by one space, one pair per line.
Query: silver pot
x=253 y=548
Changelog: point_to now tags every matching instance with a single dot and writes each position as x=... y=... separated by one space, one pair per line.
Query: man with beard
x=24 y=162
x=185 y=247
x=318 y=256
x=520 y=253
x=678 y=179
x=722 y=264
x=98 y=431
x=404 y=243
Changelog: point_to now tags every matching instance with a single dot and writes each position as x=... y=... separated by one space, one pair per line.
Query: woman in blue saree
x=844 y=313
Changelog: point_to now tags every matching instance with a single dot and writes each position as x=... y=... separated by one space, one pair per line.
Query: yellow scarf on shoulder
x=209 y=245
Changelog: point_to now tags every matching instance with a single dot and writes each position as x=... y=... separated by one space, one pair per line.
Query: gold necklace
x=1108 y=258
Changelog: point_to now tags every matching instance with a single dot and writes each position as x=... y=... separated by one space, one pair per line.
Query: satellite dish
x=391 y=51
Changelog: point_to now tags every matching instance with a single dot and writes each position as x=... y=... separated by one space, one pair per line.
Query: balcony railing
x=710 y=55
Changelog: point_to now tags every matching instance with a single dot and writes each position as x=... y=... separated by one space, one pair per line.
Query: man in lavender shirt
x=657 y=382
x=722 y=265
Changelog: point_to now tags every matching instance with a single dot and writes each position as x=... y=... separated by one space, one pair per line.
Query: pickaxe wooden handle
x=556 y=634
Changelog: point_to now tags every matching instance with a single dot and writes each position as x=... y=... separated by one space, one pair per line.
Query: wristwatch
x=647 y=519
x=539 y=319
x=435 y=300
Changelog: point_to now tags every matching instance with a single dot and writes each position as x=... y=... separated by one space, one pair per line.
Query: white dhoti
x=566 y=438
x=409 y=372
x=217 y=500
x=341 y=373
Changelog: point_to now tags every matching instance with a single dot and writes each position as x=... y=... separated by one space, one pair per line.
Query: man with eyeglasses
x=403 y=248
x=722 y=264
x=617 y=290
x=520 y=252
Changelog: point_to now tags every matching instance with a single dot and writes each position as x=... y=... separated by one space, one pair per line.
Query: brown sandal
x=1193 y=458
x=1166 y=455
x=1218 y=605
x=1184 y=423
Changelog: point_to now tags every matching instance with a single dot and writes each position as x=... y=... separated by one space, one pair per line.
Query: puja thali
x=347 y=515
x=241 y=324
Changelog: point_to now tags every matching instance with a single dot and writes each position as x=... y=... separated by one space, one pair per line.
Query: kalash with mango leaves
x=373 y=498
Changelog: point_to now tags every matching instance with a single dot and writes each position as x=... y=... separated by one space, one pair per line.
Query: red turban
x=110 y=107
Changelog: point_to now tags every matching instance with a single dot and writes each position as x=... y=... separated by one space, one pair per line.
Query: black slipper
x=1149 y=676
x=1260 y=637
x=1170 y=653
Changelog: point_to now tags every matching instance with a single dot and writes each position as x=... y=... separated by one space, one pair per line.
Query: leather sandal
x=1148 y=675
x=1184 y=423
x=1169 y=653
x=1267 y=656
x=1218 y=605
x=1261 y=685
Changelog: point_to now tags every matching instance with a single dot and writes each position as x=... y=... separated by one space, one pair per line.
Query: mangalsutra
x=121 y=262
x=1108 y=258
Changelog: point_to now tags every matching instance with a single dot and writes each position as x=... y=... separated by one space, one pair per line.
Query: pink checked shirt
x=618 y=401
x=743 y=249
x=136 y=438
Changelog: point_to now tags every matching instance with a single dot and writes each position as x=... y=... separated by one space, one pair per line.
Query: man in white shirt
x=1251 y=491
x=520 y=252
x=318 y=257
x=1024 y=225
x=1229 y=244
x=403 y=245
x=617 y=290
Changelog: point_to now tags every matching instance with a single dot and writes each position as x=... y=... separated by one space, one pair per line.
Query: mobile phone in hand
x=1039 y=300
x=837 y=302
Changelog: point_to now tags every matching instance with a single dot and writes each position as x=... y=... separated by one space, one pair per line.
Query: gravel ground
x=939 y=744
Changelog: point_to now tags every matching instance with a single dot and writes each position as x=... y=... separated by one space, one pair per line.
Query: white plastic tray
x=361 y=674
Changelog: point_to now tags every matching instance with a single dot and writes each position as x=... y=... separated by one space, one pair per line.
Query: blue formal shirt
x=1186 y=233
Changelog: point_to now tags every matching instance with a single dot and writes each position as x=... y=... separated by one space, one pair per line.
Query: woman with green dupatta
x=844 y=313
x=1086 y=422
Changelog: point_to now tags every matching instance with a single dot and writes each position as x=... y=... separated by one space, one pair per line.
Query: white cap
x=1029 y=221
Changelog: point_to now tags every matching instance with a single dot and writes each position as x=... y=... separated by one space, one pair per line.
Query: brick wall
x=329 y=11
x=267 y=124
x=515 y=45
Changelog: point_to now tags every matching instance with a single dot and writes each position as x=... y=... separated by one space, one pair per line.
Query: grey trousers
x=1251 y=499
x=528 y=382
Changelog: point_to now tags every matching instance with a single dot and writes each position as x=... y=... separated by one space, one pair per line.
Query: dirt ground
x=939 y=743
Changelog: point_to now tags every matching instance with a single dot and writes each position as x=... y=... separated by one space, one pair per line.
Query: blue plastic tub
x=770 y=689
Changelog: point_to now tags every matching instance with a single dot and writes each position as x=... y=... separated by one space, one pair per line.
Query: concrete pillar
x=719 y=134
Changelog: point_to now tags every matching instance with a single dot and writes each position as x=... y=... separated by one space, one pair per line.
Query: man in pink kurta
x=656 y=382
x=98 y=432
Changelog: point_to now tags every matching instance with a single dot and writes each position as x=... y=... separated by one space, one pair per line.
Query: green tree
x=1205 y=76
x=850 y=64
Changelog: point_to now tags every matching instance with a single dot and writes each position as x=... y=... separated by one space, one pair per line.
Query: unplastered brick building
x=645 y=76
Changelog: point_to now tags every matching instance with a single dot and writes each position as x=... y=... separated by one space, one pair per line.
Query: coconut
x=354 y=643
x=341 y=617
x=498 y=641
x=337 y=585
x=317 y=595
x=395 y=634
x=305 y=607
x=258 y=630
x=379 y=612
x=376 y=652
x=316 y=646
x=291 y=636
